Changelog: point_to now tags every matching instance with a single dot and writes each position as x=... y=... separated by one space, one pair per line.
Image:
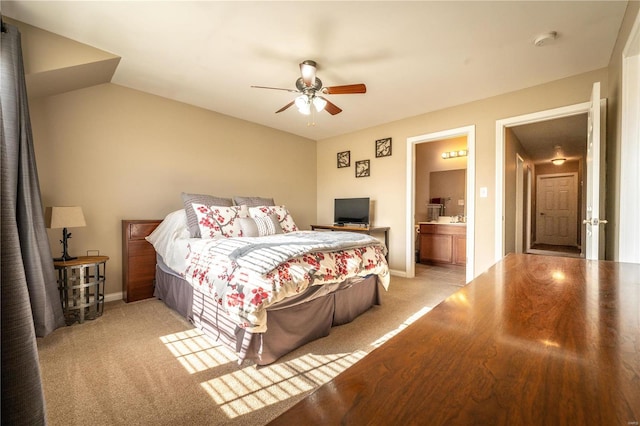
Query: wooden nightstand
x=81 y=286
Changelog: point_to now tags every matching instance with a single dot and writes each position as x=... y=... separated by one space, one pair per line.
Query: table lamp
x=64 y=217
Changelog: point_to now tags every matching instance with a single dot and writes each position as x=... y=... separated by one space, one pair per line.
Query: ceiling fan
x=310 y=88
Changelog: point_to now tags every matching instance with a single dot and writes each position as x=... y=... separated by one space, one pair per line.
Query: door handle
x=595 y=221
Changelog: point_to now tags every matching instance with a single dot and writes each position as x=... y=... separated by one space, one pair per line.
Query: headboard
x=138 y=259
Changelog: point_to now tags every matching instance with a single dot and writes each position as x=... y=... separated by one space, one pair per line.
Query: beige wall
x=125 y=154
x=387 y=183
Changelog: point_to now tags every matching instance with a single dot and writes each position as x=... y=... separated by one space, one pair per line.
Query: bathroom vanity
x=443 y=243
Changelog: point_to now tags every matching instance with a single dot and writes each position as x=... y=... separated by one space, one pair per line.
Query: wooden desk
x=362 y=230
x=536 y=340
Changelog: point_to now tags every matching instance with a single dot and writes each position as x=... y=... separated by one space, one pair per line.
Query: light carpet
x=142 y=364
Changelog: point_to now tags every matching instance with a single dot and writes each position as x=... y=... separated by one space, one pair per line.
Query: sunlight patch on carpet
x=251 y=389
x=401 y=327
x=195 y=352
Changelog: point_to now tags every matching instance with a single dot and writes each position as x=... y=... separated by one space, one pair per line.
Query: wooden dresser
x=535 y=340
x=138 y=259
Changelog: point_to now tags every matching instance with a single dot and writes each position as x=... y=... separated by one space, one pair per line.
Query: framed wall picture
x=344 y=159
x=362 y=168
x=383 y=147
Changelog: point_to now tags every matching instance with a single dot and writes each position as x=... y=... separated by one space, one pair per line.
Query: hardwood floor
x=535 y=340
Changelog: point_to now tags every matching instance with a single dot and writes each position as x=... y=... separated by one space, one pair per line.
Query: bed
x=264 y=288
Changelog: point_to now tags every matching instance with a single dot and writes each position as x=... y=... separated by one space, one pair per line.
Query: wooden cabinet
x=138 y=259
x=443 y=244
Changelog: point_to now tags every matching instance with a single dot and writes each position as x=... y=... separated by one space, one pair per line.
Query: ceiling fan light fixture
x=319 y=103
x=303 y=104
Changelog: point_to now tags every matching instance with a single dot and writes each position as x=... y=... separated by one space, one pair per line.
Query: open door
x=594 y=241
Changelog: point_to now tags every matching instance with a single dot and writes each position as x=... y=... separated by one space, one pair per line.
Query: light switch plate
x=484 y=192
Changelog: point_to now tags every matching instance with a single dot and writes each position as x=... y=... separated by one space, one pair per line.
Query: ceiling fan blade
x=275 y=88
x=345 y=90
x=331 y=108
x=285 y=107
x=308 y=72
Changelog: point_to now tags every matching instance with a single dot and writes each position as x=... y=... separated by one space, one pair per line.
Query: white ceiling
x=541 y=140
x=414 y=56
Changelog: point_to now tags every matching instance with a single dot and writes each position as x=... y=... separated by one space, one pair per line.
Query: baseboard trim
x=112 y=297
x=397 y=273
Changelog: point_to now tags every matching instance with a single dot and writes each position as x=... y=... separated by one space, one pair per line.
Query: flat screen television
x=351 y=211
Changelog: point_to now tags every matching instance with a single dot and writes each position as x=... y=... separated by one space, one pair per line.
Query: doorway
x=505 y=202
x=410 y=232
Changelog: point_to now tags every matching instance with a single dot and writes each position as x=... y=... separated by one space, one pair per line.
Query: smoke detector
x=545 y=38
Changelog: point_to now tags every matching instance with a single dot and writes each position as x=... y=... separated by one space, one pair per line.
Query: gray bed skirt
x=289 y=325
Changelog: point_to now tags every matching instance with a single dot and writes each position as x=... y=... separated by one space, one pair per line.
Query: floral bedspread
x=245 y=293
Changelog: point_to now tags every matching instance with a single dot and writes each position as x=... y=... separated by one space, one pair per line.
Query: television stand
x=363 y=229
x=351 y=225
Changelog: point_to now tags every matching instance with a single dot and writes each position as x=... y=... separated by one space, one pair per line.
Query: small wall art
x=344 y=159
x=362 y=168
x=383 y=147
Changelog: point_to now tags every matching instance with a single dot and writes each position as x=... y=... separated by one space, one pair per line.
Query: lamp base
x=64 y=241
x=64 y=258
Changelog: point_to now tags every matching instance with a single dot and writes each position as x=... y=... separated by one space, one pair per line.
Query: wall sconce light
x=454 y=154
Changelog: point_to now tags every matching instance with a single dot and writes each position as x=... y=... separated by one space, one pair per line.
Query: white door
x=557 y=209
x=594 y=238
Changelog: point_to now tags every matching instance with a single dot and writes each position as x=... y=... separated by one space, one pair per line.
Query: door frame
x=628 y=156
x=501 y=126
x=470 y=133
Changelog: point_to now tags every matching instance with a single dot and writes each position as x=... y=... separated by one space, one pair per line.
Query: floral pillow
x=218 y=221
x=284 y=217
x=208 y=200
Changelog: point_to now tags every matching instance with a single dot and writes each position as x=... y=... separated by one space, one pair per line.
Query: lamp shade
x=64 y=217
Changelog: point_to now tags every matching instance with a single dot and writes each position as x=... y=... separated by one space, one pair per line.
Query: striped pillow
x=260 y=226
x=284 y=217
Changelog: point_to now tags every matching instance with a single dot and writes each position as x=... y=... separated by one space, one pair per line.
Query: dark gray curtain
x=30 y=304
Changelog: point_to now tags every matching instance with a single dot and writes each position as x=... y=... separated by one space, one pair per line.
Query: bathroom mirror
x=450 y=187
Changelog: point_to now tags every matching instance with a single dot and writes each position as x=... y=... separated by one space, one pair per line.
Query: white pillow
x=284 y=217
x=174 y=226
x=217 y=221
